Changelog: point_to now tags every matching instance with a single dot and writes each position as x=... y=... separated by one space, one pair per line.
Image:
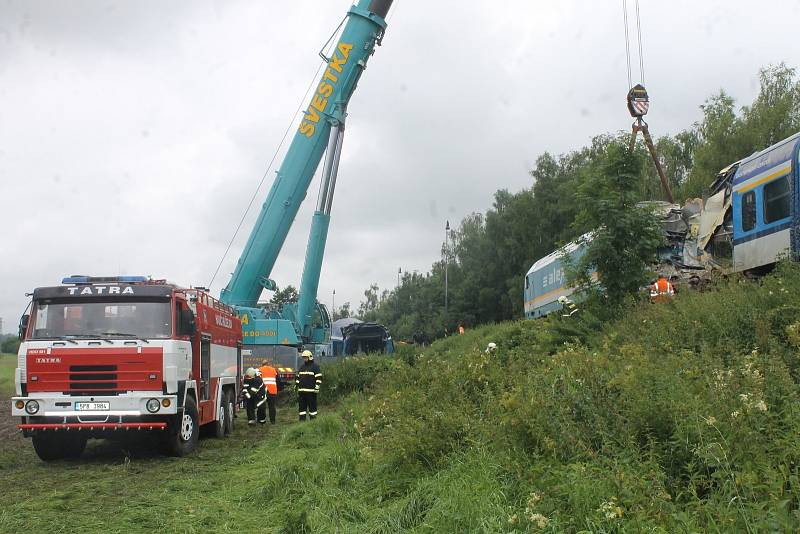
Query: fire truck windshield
x=60 y=318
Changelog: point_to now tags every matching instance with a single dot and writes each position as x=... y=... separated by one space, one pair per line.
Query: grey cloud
x=135 y=132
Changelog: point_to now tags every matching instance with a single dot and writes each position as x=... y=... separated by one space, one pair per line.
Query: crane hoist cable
x=289 y=128
x=266 y=172
x=639 y=101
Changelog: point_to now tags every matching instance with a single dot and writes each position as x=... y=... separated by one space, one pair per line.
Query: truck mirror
x=23 y=325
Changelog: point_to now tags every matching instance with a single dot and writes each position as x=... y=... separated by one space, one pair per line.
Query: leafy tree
x=719 y=143
x=775 y=113
x=366 y=309
x=724 y=138
x=9 y=345
x=341 y=312
x=677 y=159
x=491 y=251
x=626 y=236
x=285 y=295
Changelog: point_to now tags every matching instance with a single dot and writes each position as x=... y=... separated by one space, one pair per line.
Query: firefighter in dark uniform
x=255 y=398
x=309 y=379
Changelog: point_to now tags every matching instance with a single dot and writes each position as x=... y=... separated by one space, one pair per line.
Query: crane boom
x=269 y=330
x=364 y=28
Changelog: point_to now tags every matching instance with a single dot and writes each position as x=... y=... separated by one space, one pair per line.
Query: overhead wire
x=303 y=100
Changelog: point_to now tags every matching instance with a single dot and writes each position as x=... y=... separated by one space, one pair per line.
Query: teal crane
x=277 y=331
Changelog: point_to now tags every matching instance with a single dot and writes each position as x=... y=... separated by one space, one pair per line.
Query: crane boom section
x=363 y=30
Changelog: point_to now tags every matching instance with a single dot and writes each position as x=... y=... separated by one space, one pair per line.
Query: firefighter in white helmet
x=255 y=398
x=309 y=380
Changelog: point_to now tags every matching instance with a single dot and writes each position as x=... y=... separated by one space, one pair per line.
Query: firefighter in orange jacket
x=309 y=379
x=270 y=377
x=661 y=290
x=254 y=397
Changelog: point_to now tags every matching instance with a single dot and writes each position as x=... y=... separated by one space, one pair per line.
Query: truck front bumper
x=95 y=409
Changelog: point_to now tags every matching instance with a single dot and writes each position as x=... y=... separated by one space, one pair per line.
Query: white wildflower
x=540 y=520
x=761 y=406
x=610 y=509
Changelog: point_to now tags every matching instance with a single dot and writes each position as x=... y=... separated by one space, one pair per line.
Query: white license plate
x=92 y=406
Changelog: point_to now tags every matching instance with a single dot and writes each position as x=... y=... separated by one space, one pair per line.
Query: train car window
x=527 y=282
x=776 y=200
x=748 y=211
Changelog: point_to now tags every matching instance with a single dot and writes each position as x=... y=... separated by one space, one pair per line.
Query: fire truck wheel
x=183 y=431
x=50 y=448
x=229 y=410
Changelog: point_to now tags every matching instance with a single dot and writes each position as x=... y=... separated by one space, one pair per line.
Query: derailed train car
x=766 y=206
x=352 y=336
x=750 y=220
x=546 y=280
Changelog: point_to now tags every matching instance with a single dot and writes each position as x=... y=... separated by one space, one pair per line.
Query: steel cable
x=269 y=166
x=627 y=41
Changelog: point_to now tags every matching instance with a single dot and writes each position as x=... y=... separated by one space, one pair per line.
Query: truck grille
x=88 y=371
x=92 y=379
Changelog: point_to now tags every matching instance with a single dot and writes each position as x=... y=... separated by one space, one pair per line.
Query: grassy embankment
x=679 y=417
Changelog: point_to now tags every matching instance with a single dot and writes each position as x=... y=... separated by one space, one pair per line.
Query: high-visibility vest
x=269 y=375
x=662 y=288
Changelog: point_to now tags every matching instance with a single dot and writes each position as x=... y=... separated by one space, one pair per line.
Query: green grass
x=683 y=417
x=129 y=487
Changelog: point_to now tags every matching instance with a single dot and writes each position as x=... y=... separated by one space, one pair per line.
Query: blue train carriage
x=546 y=279
x=766 y=207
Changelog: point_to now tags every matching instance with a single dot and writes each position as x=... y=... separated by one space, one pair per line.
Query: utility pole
x=446 y=261
x=333 y=303
x=399 y=270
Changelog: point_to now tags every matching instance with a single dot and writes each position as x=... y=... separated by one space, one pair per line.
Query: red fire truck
x=104 y=355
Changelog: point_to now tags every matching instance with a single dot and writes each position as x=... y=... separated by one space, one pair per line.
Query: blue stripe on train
x=762 y=233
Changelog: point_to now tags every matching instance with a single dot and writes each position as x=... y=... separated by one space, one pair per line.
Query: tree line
x=488 y=254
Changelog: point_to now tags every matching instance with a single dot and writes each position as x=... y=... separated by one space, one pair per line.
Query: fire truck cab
x=104 y=355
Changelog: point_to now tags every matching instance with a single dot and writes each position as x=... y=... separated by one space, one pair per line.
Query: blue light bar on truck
x=103 y=279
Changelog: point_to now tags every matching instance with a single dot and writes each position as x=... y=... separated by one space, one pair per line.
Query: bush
x=353 y=374
x=9 y=345
x=679 y=416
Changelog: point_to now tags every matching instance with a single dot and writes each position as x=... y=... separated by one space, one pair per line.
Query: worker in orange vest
x=270 y=377
x=661 y=290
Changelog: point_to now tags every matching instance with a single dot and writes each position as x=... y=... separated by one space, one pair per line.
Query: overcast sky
x=134 y=133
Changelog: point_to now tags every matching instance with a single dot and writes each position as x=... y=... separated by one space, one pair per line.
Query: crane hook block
x=638 y=101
